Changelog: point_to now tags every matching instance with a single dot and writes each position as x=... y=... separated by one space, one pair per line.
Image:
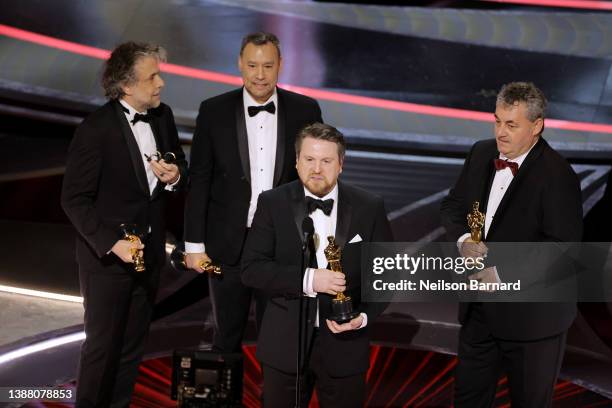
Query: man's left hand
x=166 y=173
x=354 y=324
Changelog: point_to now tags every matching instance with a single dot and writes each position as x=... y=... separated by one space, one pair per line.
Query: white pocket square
x=355 y=239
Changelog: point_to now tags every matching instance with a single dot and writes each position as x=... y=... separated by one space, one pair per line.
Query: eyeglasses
x=168 y=157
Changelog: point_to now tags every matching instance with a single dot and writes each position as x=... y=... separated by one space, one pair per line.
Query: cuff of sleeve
x=497 y=279
x=170 y=187
x=110 y=250
x=461 y=239
x=364 y=323
x=194 y=248
x=307 y=283
x=103 y=244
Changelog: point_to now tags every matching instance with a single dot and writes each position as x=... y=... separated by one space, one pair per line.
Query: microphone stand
x=307 y=231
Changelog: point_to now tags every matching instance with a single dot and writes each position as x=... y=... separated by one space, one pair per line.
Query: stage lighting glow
x=41 y=294
x=321 y=94
x=41 y=346
x=580 y=4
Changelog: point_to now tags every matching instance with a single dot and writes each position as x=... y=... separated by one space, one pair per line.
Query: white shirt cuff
x=194 y=248
x=110 y=251
x=497 y=279
x=461 y=239
x=170 y=187
x=307 y=283
x=364 y=323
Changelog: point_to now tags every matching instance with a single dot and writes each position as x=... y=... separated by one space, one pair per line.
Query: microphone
x=307 y=230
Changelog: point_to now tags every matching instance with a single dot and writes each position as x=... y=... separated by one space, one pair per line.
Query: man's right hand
x=193 y=261
x=471 y=249
x=123 y=249
x=326 y=281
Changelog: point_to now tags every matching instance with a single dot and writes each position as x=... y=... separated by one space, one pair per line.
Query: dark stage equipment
x=202 y=379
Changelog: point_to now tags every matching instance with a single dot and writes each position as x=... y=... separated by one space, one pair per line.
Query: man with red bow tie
x=529 y=193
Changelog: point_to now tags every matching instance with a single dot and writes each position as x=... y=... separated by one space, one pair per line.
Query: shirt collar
x=519 y=160
x=332 y=194
x=131 y=111
x=249 y=101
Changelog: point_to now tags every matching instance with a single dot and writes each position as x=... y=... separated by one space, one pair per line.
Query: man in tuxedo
x=335 y=355
x=529 y=194
x=243 y=145
x=113 y=177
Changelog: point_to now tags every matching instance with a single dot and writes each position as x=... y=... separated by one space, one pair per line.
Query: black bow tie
x=325 y=206
x=137 y=117
x=141 y=118
x=269 y=107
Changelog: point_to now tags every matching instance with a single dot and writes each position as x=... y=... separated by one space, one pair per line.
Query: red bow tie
x=502 y=164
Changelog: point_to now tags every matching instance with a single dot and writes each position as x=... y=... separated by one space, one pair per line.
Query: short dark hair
x=321 y=131
x=260 y=38
x=526 y=92
x=119 y=68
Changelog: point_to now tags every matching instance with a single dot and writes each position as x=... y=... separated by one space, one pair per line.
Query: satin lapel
x=281 y=138
x=161 y=146
x=344 y=213
x=531 y=158
x=487 y=183
x=159 y=140
x=298 y=205
x=137 y=160
x=243 y=138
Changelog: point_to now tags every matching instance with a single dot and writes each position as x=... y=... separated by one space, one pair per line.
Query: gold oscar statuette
x=342 y=306
x=130 y=234
x=209 y=267
x=476 y=221
x=177 y=259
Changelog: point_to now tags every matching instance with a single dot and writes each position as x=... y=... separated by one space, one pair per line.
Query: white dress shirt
x=145 y=140
x=324 y=226
x=501 y=182
x=262 y=136
x=143 y=134
x=500 y=185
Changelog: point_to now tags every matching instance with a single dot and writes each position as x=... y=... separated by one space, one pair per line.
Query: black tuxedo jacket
x=217 y=203
x=272 y=260
x=542 y=204
x=105 y=185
